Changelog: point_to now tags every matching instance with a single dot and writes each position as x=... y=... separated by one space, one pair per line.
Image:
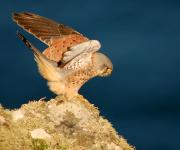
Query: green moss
x=61 y=148
x=69 y=129
x=39 y=144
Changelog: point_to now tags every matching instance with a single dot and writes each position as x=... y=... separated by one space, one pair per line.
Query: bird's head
x=103 y=64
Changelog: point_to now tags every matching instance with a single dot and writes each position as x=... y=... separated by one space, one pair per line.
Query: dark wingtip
x=22 y=38
x=13 y=15
x=17 y=16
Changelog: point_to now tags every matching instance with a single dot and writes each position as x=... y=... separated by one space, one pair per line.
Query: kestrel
x=70 y=60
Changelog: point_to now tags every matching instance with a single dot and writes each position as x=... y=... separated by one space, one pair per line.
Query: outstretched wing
x=64 y=42
x=42 y=28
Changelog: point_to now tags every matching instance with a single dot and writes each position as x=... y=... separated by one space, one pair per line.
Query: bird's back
x=61 y=45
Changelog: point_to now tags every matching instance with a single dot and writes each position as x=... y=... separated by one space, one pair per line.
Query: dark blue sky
x=142 y=97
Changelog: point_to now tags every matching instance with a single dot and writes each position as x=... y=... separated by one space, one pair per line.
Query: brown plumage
x=60 y=45
x=57 y=36
x=70 y=60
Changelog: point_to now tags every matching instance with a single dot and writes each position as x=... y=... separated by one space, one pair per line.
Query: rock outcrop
x=58 y=124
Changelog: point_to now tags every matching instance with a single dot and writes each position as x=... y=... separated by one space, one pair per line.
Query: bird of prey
x=70 y=60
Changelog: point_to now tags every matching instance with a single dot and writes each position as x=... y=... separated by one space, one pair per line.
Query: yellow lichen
x=72 y=124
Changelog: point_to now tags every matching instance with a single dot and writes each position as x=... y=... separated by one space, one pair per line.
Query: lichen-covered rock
x=17 y=114
x=2 y=120
x=39 y=134
x=59 y=124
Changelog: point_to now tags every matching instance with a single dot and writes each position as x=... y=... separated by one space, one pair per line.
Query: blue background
x=142 y=97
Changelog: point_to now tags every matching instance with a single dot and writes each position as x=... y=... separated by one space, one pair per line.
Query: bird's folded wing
x=87 y=47
x=56 y=51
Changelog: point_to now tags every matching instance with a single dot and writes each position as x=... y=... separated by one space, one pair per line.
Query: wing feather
x=42 y=28
x=90 y=46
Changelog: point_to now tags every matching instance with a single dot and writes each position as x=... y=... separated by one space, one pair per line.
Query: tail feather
x=47 y=68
